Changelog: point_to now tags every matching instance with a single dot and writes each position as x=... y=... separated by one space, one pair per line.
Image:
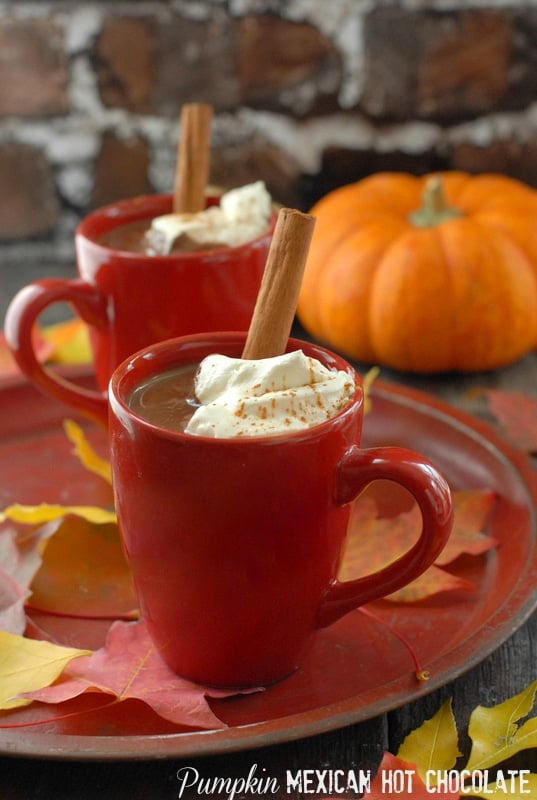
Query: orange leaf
x=83 y=450
x=64 y=343
x=84 y=573
x=433 y=581
x=472 y=509
x=68 y=341
x=373 y=542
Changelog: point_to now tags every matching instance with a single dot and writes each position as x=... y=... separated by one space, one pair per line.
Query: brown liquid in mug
x=131 y=237
x=167 y=400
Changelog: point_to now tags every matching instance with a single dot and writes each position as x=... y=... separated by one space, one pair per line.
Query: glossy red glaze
x=131 y=300
x=234 y=544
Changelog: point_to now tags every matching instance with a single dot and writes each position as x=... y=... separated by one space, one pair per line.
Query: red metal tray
x=357 y=668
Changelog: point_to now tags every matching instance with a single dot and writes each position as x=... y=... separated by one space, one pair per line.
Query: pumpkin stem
x=434 y=208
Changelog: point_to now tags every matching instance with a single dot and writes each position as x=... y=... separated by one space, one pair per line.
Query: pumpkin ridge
x=409 y=325
x=347 y=286
x=440 y=233
x=513 y=226
x=509 y=243
x=489 y=287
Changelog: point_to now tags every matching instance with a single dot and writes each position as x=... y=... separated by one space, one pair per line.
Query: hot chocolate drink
x=241 y=216
x=133 y=238
x=227 y=397
x=167 y=400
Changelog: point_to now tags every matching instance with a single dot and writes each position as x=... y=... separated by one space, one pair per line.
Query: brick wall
x=307 y=95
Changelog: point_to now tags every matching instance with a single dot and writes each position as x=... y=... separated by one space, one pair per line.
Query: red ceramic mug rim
x=148 y=206
x=161 y=354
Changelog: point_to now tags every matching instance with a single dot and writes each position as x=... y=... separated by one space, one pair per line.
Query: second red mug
x=131 y=300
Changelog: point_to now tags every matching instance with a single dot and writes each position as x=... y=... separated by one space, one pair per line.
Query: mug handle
x=355 y=471
x=21 y=316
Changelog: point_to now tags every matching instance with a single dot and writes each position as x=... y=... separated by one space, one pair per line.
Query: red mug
x=131 y=300
x=234 y=543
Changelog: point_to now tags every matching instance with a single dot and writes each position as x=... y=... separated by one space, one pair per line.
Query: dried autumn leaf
x=19 y=562
x=68 y=341
x=495 y=734
x=496 y=737
x=434 y=745
x=12 y=600
x=431 y=582
x=46 y=512
x=62 y=343
x=84 y=573
x=517 y=414
x=85 y=453
x=27 y=665
x=367 y=382
x=128 y=666
x=374 y=542
x=471 y=511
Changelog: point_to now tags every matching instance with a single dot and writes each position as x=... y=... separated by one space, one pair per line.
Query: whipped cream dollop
x=243 y=215
x=241 y=397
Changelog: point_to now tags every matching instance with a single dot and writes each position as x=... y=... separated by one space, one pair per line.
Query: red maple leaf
x=127 y=667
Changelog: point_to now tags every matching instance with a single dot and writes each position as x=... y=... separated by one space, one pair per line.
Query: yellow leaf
x=434 y=745
x=367 y=381
x=27 y=665
x=494 y=731
x=85 y=453
x=69 y=340
x=45 y=512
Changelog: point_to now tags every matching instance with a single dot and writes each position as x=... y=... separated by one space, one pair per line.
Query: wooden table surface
x=358 y=747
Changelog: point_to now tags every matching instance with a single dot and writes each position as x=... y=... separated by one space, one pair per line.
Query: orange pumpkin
x=425 y=274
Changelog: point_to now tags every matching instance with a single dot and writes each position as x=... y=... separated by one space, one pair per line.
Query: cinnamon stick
x=278 y=294
x=193 y=158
